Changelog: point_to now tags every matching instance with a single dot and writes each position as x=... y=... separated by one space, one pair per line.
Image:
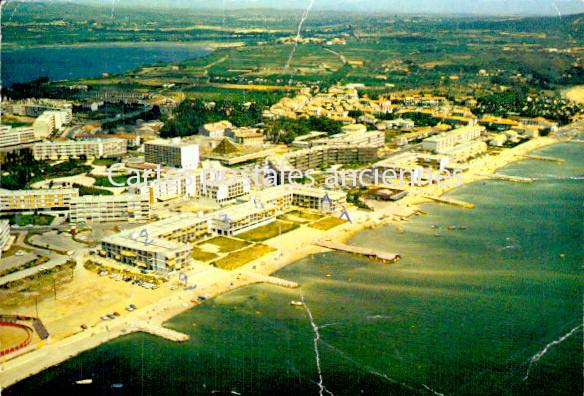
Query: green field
x=268 y=231
x=39 y=220
x=226 y=244
x=237 y=259
x=327 y=223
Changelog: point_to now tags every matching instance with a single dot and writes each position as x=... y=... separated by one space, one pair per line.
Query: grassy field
x=103 y=181
x=268 y=231
x=200 y=255
x=301 y=217
x=22 y=220
x=226 y=244
x=104 y=162
x=327 y=223
x=237 y=259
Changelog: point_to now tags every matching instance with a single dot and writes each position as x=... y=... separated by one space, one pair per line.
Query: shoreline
x=292 y=247
x=211 y=45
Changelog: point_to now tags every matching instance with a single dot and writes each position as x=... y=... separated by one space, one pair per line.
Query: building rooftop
x=175 y=142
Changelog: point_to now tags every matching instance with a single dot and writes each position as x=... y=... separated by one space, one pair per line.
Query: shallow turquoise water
x=462 y=313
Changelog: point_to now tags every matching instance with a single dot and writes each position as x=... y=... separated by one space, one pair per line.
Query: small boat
x=452 y=227
x=84 y=382
x=297 y=303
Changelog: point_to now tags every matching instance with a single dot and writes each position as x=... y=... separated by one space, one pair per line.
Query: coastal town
x=152 y=226
x=132 y=195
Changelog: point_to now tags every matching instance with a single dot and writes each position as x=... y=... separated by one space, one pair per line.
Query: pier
x=163 y=332
x=450 y=201
x=515 y=179
x=369 y=253
x=542 y=158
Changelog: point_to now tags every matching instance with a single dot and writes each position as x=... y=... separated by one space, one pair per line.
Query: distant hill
x=474 y=7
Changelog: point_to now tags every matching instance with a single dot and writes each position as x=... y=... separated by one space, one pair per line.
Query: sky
x=479 y=7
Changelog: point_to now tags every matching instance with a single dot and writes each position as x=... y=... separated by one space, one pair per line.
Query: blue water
x=463 y=313
x=63 y=63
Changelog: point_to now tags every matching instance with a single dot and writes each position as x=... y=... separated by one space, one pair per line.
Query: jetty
x=543 y=158
x=450 y=201
x=163 y=332
x=384 y=257
x=515 y=179
x=259 y=278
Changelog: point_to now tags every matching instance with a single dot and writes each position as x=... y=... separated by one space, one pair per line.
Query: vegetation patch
x=241 y=257
x=39 y=286
x=104 y=162
x=297 y=216
x=85 y=190
x=37 y=220
x=268 y=231
x=327 y=223
x=226 y=244
x=201 y=255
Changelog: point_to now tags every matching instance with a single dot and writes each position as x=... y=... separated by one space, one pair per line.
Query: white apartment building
x=465 y=151
x=21 y=200
x=355 y=138
x=36 y=107
x=222 y=187
x=49 y=121
x=172 y=152
x=15 y=136
x=162 y=246
x=170 y=187
x=65 y=149
x=318 y=199
x=110 y=208
x=446 y=141
x=4 y=234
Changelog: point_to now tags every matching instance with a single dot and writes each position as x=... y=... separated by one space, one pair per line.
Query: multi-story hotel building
x=357 y=137
x=146 y=252
x=325 y=155
x=22 y=200
x=465 y=151
x=65 y=149
x=162 y=246
x=15 y=136
x=446 y=141
x=170 y=187
x=110 y=208
x=36 y=107
x=244 y=217
x=172 y=153
x=319 y=199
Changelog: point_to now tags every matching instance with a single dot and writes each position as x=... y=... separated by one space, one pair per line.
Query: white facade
x=172 y=153
x=15 y=136
x=4 y=234
x=110 y=208
x=36 y=199
x=442 y=143
x=64 y=149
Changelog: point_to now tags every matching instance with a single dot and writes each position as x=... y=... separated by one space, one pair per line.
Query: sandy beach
x=161 y=305
x=575 y=94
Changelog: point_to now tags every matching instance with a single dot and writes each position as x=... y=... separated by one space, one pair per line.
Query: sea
x=74 y=62
x=493 y=307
